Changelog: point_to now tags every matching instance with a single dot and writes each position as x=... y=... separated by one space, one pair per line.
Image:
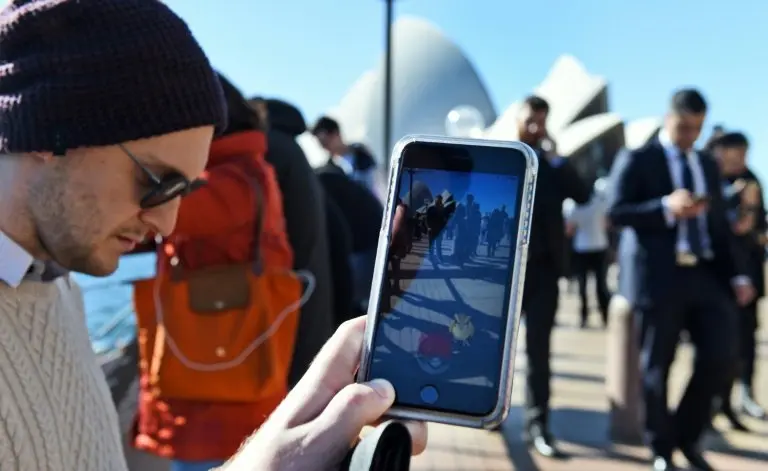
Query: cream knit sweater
x=56 y=412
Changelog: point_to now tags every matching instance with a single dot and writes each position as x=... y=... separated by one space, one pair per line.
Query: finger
x=354 y=407
x=419 y=433
x=333 y=368
x=340 y=355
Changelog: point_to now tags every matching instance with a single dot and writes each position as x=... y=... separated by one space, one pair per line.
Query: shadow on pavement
x=587 y=432
x=719 y=443
x=587 y=378
x=587 y=429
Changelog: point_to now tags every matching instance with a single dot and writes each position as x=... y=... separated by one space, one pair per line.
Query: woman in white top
x=588 y=225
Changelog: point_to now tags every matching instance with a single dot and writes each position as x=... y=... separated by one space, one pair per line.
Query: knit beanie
x=87 y=73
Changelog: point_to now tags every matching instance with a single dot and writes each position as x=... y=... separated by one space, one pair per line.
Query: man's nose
x=162 y=219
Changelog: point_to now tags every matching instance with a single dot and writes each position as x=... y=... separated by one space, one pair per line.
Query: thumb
x=354 y=407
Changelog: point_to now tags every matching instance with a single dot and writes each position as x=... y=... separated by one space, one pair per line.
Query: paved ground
x=580 y=416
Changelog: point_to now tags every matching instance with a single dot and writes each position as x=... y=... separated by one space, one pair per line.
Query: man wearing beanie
x=107 y=112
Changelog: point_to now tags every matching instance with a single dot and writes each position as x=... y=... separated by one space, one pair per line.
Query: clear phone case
x=499 y=413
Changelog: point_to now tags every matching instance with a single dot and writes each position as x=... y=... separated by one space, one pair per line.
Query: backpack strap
x=387 y=448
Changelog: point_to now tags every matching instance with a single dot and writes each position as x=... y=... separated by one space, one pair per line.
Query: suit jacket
x=639 y=180
x=557 y=181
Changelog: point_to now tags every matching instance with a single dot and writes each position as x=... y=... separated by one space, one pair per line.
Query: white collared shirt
x=590 y=221
x=700 y=189
x=15 y=262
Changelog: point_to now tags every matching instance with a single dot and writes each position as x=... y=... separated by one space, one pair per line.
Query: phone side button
x=429 y=394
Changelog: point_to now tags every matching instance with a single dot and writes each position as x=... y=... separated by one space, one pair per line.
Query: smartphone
x=445 y=300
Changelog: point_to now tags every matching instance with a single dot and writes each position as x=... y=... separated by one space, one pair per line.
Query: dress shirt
x=15 y=262
x=672 y=153
x=16 y=265
x=700 y=189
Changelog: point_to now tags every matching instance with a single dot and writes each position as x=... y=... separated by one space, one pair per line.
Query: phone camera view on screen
x=443 y=309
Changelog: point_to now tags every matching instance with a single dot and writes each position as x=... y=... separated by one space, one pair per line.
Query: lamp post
x=388 y=81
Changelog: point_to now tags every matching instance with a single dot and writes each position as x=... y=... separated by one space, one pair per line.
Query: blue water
x=108 y=302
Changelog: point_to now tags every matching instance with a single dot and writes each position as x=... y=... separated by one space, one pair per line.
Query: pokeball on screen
x=434 y=352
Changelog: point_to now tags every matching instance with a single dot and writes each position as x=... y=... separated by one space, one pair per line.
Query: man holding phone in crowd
x=92 y=159
x=687 y=274
x=557 y=181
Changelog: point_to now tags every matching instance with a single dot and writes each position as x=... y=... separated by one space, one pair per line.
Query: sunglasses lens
x=170 y=187
x=155 y=198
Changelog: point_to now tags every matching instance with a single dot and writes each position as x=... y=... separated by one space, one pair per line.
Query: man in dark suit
x=686 y=272
x=557 y=181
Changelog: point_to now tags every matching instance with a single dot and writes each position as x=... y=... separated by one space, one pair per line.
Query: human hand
x=322 y=417
x=745 y=293
x=684 y=205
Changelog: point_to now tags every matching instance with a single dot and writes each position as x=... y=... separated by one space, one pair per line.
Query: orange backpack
x=224 y=333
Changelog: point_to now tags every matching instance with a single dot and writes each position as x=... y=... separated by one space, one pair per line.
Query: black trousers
x=540 y=298
x=744 y=368
x=700 y=304
x=595 y=263
x=748 y=343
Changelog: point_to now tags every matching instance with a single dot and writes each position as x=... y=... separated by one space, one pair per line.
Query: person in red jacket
x=216 y=220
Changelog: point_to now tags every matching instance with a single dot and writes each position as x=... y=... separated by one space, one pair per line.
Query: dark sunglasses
x=170 y=186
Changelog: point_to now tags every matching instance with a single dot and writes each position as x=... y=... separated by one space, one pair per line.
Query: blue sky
x=311 y=52
x=491 y=190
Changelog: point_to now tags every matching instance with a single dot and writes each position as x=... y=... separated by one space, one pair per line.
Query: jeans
x=180 y=465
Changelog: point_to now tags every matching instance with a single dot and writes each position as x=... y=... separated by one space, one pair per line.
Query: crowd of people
x=462 y=223
x=691 y=228
x=248 y=237
x=466 y=226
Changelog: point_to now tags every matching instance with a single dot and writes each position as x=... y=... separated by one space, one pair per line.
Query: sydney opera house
x=432 y=76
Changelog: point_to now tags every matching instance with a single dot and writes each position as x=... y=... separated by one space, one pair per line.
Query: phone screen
x=442 y=312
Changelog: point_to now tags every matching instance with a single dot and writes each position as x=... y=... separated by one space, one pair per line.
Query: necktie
x=692 y=224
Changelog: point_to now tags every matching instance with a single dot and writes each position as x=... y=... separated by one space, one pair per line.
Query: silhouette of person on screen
x=435 y=224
